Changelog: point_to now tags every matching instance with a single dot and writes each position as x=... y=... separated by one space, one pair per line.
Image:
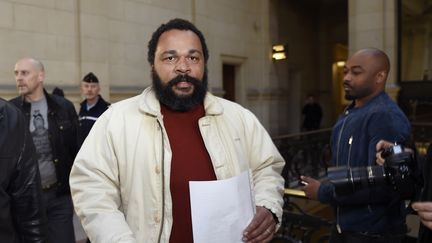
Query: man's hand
x=380 y=146
x=311 y=187
x=262 y=227
x=424 y=210
x=383 y=144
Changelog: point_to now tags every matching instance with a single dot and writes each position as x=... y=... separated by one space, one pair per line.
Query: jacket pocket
x=64 y=125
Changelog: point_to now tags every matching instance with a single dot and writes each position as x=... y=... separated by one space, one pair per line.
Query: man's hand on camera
x=311 y=187
x=380 y=146
x=383 y=144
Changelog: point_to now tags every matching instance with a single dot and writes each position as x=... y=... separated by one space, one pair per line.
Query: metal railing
x=305 y=153
x=422 y=135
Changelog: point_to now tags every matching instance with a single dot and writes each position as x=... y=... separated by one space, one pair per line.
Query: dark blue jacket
x=87 y=118
x=62 y=130
x=354 y=138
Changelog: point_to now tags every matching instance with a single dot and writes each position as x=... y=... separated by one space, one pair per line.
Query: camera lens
x=348 y=180
x=397 y=173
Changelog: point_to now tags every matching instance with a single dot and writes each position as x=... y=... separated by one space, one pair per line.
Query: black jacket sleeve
x=25 y=188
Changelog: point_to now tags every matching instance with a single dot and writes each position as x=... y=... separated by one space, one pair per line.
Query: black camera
x=397 y=172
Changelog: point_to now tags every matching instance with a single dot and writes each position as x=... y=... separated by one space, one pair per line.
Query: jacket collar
x=148 y=103
x=379 y=96
x=99 y=102
x=2 y=108
x=52 y=105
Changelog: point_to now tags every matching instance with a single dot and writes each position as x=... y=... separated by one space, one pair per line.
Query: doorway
x=229 y=81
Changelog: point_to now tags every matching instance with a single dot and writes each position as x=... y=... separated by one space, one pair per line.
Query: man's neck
x=35 y=96
x=361 y=102
x=93 y=101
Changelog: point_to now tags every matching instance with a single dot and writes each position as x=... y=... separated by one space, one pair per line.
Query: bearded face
x=179 y=102
x=353 y=92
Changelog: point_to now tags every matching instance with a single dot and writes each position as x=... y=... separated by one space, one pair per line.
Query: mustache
x=346 y=83
x=184 y=78
x=166 y=95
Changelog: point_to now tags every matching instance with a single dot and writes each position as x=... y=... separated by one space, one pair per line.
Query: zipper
x=338 y=228
x=163 y=183
x=339 y=138
x=350 y=140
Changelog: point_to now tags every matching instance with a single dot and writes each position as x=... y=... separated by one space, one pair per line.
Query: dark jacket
x=62 y=130
x=425 y=234
x=354 y=137
x=88 y=117
x=22 y=217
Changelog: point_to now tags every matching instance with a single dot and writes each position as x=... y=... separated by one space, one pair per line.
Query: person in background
x=22 y=217
x=312 y=114
x=373 y=215
x=52 y=122
x=130 y=179
x=58 y=91
x=92 y=107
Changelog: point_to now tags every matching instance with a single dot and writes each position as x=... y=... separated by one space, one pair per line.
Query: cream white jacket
x=120 y=178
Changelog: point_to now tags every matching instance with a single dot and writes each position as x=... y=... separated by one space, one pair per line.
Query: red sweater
x=190 y=162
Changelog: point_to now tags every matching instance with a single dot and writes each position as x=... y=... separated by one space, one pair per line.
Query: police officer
x=92 y=107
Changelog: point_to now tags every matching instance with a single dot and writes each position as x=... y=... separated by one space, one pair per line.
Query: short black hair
x=90 y=78
x=177 y=24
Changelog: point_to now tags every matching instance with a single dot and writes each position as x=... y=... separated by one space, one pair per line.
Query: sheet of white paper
x=221 y=209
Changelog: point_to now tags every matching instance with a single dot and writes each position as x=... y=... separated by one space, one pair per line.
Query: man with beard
x=370 y=214
x=130 y=178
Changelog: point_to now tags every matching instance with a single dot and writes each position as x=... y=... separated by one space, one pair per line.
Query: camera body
x=397 y=172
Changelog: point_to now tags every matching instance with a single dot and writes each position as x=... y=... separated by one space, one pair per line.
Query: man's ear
x=41 y=76
x=381 y=77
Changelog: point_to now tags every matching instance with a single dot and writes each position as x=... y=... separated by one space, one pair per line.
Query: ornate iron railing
x=422 y=135
x=305 y=153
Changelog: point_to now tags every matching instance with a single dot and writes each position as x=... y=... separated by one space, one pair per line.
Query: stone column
x=372 y=23
x=94 y=43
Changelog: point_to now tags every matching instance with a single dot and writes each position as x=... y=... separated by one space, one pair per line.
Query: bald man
x=370 y=214
x=52 y=121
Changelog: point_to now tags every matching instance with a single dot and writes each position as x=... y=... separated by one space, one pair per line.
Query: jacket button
x=56 y=161
x=61 y=127
x=157 y=170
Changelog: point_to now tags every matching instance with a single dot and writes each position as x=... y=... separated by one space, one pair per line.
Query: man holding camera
x=370 y=214
x=423 y=204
